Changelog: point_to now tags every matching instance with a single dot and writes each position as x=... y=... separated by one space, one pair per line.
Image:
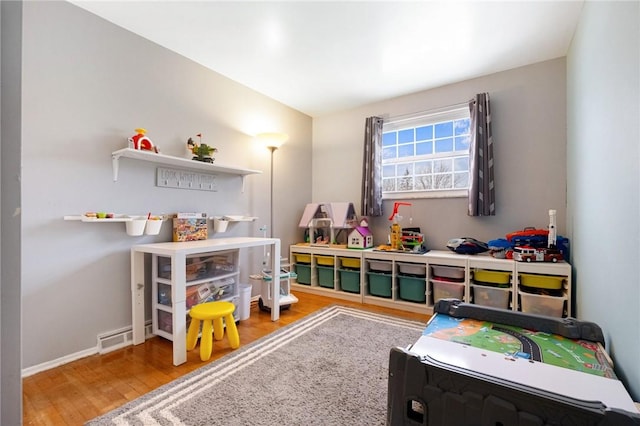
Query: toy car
x=534 y=254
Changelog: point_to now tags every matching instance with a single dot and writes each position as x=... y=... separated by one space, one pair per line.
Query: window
x=426 y=155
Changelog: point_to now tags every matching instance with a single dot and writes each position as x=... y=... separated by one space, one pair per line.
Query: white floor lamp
x=272 y=141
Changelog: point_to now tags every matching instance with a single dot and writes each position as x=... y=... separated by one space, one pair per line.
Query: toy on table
x=201 y=152
x=396 y=230
x=533 y=252
x=467 y=245
x=141 y=141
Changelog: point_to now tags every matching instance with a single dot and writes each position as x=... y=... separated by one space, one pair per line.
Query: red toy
x=142 y=142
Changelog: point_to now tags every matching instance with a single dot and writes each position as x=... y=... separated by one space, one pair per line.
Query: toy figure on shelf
x=201 y=152
x=141 y=141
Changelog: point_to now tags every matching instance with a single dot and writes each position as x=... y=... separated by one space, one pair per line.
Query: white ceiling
x=322 y=57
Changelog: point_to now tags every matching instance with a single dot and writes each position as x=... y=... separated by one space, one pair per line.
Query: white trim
x=453 y=112
x=29 y=371
x=401 y=195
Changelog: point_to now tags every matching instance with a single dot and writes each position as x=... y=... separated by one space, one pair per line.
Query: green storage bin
x=413 y=289
x=350 y=280
x=325 y=276
x=304 y=274
x=379 y=284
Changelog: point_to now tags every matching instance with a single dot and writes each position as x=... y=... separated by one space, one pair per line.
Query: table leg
x=275 y=280
x=137 y=297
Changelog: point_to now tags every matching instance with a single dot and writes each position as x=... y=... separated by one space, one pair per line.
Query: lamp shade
x=272 y=140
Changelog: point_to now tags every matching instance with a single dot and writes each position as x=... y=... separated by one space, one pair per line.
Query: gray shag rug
x=329 y=368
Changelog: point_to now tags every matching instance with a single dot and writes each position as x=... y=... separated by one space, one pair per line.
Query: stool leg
x=232 y=331
x=206 y=343
x=218 y=329
x=192 y=334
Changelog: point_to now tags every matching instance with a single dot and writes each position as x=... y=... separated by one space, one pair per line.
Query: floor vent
x=117 y=339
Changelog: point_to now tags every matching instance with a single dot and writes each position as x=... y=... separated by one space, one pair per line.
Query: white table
x=178 y=253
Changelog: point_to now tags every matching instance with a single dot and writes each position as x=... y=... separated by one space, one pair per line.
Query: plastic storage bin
x=413 y=289
x=379 y=265
x=550 y=282
x=325 y=276
x=350 y=262
x=350 y=280
x=451 y=272
x=491 y=277
x=413 y=269
x=541 y=304
x=494 y=297
x=302 y=258
x=304 y=274
x=447 y=290
x=324 y=260
x=379 y=284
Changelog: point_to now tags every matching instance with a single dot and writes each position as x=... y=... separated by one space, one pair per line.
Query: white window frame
x=424 y=119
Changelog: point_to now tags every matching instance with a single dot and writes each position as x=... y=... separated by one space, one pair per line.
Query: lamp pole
x=272 y=149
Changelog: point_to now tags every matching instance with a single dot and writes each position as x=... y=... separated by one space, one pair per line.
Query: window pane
x=388 y=171
x=462 y=143
x=405 y=150
x=424 y=133
x=444 y=145
x=424 y=148
x=423 y=183
x=405 y=183
x=460 y=164
x=405 y=169
x=461 y=180
x=405 y=136
x=423 y=167
x=462 y=126
x=442 y=181
x=389 y=138
x=388 y=185
x=441 y=166
x=444 y=130
x=388 y=153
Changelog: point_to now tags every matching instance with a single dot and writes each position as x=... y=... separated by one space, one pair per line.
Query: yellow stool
x=211 y=314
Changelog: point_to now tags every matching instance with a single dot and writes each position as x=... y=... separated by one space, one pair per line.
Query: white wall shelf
x=169 y=160
x=116 y=218
x=235 y=218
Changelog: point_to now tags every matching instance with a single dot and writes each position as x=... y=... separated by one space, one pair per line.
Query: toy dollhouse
x=360 y=237
x=325 y=221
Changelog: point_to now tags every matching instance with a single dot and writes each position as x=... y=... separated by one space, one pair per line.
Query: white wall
x=603 y=173
x=529 y=128
x=86 y=85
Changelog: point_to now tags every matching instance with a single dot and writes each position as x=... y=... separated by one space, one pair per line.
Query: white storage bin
x=541 y=304
x=494 y=297
x=379 y=265
x=415 y=269
x=447 y=290
x=453 y=272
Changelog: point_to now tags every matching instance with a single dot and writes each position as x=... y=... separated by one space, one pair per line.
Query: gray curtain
x=372 y=168
x=481 y=179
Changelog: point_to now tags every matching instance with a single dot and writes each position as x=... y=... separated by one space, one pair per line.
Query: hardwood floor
x=81 y=390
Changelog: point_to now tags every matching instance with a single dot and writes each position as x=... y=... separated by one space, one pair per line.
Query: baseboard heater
x=120 y=338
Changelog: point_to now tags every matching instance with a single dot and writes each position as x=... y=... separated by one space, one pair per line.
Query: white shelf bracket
x=115 y=164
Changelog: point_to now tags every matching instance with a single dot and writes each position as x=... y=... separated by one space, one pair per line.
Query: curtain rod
x=403 y=117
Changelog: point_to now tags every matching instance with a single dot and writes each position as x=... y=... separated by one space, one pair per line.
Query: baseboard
x=106 y=342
